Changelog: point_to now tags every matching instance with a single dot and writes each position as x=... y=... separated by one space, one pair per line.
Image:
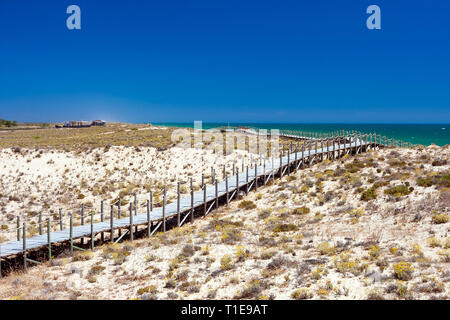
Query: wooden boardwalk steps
x=202 y=201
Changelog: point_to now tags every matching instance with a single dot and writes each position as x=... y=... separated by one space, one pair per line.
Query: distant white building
x=98 y=123
x=77 y=124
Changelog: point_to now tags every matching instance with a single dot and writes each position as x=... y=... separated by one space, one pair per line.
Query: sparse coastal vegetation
x=371 y=226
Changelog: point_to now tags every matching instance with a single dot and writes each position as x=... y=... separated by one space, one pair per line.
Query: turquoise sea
x=424 y=134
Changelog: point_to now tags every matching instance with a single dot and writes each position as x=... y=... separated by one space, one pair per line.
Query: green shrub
x=441 y=218
x=398 y=191
x=247 y=205
x=301 y=294
x=149 y=289
x=226 y=262
x=301 y=210
x=7 y=123
x=285 y=227
x=444 y=180
x=441 y=180
x=369 y=194
x=82 y=256
x=96 y=269
x=252 y=289
x=403 y=270
x=354 y=167
x=424 y=181
x=326 y=249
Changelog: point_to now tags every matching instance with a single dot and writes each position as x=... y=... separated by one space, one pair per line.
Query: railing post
x=339 y=148
x=40 y=224
x=60 y=220
x=164 y=210
x=226 y=188
x=24 y=246
x=151 y=205
x=102 y=219
x=178 y=204
x=151 y=200
x=148 y=219
x=71 y=232
x=256 y=177
x=92 y=231
x=281 y=164
x=131 y=223
x=18 y=229
x=264 y=171
x=246 y=181
x=309 y=151
x=204 y=200
x=192 y=201
x=119 y=215
x=111 y=222
x=135 y=210
x=217 y=194
x=82 y=221
x=288 y=161
x=321 y=149
x=49 y=240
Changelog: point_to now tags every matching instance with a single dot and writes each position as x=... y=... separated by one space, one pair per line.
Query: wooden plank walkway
x=204 y=200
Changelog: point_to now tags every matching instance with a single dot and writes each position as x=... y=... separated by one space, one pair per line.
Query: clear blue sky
x=225 y=60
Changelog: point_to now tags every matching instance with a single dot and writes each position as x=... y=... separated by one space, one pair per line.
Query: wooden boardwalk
x=196 y=204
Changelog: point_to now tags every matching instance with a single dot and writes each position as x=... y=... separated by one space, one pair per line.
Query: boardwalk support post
x=18 y=228
x=204 y=200
x=71 y=232
x=119 y=213
x=60 y=220
x=40 y=224
x=82 y=221
x=148 y=219
x=192 y=201
x=111 y=221
x=237 y=182
x=217 y=194
x=246 y=181
x=151 y=204
x=226 y=188
x=164 y=210
x=178 y=204
x=24 y=245
x=92 y=231
x=135 y=210
x=131 y=222
x=256 y=177
x=102 y=219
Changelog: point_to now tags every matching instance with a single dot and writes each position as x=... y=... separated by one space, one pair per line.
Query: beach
x=368 y=226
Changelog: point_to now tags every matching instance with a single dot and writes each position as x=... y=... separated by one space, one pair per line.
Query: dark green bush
x=424 y=181
x=245 y=204
x=301 y=210
x=398 y=191
x=285 y=227
x=369 y=194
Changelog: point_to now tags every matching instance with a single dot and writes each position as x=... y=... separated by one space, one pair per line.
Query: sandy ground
x=372 y=228
x=44 y=181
